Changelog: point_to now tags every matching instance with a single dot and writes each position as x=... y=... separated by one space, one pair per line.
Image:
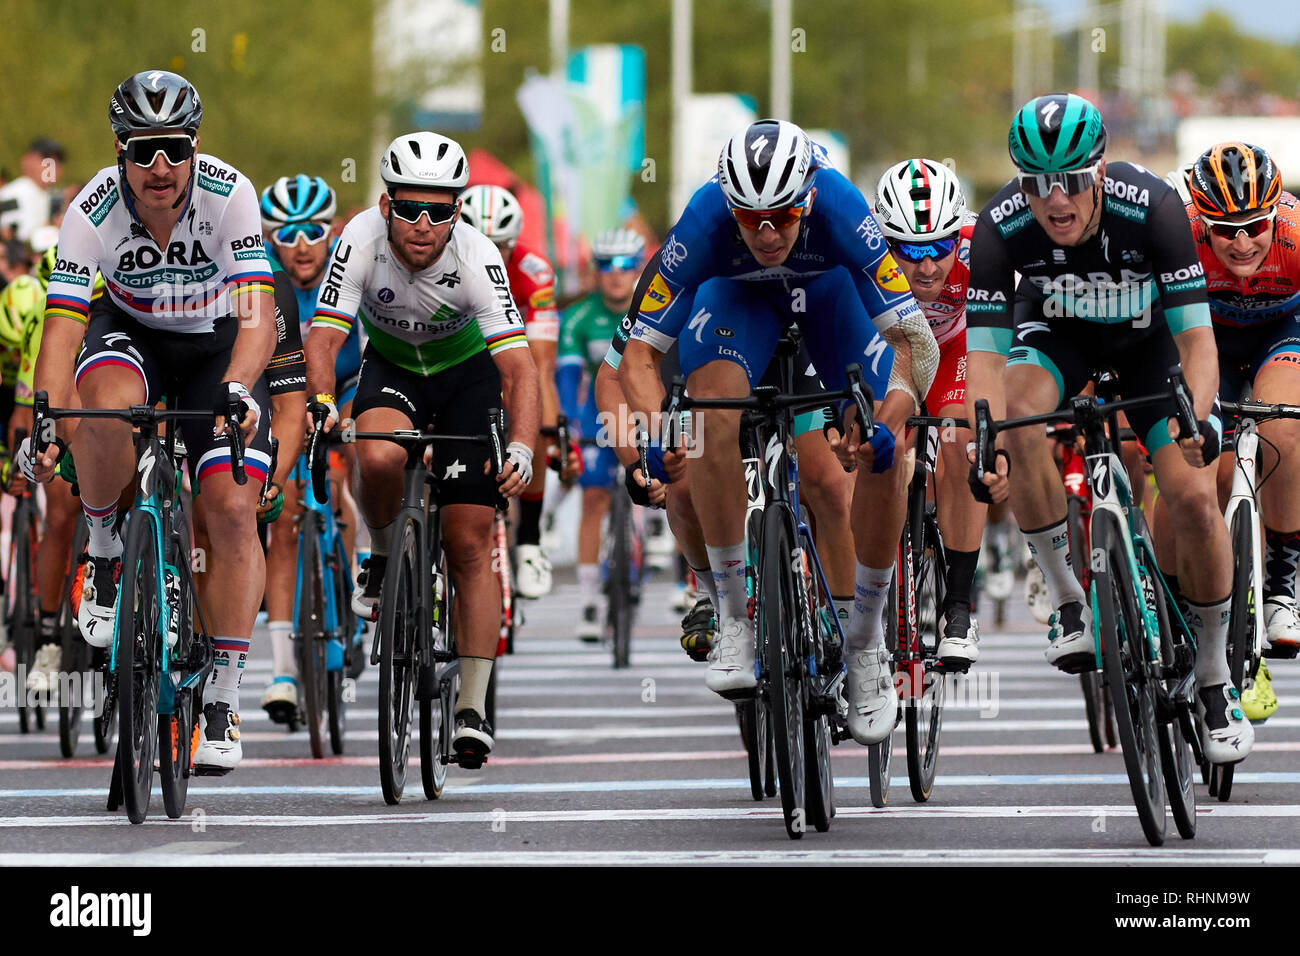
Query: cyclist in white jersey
x=189 y=313
x=446 y=344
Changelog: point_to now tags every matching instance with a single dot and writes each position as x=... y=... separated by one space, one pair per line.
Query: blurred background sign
x=1280 y=135
x=707 y=121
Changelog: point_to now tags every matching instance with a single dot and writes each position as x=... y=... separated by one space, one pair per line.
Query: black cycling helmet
x=154 y=100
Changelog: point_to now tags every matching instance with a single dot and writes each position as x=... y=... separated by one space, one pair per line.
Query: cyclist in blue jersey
x=780 y=236
x=297 y=212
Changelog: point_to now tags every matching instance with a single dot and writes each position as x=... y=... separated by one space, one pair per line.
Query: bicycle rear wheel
x=139 y=645
x=620 y=578
x=1090 y=682
x=435 y=722
x=1129 y=676
x=75 y=656
x=346 y=627
x=923 y=713
x=398 y=651
x=784 y=658
x=22 y=603
x=104 y=723
x=879 y=756
x=309 y=632
x=1176 y=762
x=1241 y=629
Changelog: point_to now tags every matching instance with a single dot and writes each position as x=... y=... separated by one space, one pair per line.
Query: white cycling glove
x=521 y=456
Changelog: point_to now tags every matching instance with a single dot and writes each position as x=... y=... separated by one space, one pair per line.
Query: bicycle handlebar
x=986 y=429
x=138 y=416
x=1258 y=411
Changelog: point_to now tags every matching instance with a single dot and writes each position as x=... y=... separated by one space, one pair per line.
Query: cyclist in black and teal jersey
x=585 y=333
x=1109 y=278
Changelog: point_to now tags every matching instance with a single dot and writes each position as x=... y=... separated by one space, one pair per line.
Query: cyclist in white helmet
x=446 y=345
x=922 y=212
x=588 y=326
x=495 y=212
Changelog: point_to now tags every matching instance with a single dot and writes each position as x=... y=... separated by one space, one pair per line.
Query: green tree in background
x=1214 y=50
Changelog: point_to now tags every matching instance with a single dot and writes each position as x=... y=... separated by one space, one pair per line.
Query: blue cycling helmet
x=300 y=198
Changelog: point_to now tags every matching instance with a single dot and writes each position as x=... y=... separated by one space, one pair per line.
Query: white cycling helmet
x=1178 y=179
x=768 y=165
x=919 y=199
x=424 y=160
x=493 y=211
x=614 y=243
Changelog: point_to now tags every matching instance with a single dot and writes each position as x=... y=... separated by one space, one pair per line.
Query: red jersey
x=947 y=313
x=1273 y=292
x=532 y=283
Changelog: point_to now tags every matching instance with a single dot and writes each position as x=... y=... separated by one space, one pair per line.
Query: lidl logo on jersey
x=658 y=296
x=889 y=277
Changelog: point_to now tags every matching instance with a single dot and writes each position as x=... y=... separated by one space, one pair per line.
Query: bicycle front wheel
x=399 y=621
x=339 y=573
x=1241 y=629
x=784 y=656
x=923 y=715
x=138 y=664
x=620 y=578
x=1129 y=675
x=309 y=632
x=75 y=656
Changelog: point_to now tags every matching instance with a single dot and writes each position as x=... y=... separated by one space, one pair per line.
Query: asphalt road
x=645 y=766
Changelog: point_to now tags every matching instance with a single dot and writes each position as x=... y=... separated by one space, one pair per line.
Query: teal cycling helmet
x=1056 y=133
x=298 y=198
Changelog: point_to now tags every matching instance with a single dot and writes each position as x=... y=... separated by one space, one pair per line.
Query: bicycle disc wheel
x=1128 y=675
x=923 y=715
x=138 y=664
x=1241 y=627
x=309 y=633
x=398 y=644
x=784 y=658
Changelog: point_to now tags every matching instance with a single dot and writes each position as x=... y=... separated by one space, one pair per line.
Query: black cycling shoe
x=473 y=739
x=698 y=628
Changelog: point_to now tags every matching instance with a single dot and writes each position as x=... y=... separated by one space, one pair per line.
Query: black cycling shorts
x=1073 y=351
x=186 y=367
x=454 y=401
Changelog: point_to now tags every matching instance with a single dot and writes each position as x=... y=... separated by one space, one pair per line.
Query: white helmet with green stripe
x=919 y=199
x=493 y=211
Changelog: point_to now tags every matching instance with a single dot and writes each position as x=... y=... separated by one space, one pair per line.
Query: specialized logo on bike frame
x=1101 y=480
x=754 y=487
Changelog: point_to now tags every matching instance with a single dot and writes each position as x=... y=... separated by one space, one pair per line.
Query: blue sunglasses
x=313 y=232
x=917 y=252
x=617 y=263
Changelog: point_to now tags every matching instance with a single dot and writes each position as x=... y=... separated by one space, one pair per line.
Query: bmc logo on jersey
x=889 y=277
x=1007 y=207
x=657 y=296
x=1182 y=274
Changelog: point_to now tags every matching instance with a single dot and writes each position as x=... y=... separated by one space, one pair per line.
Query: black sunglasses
x=176 y=148
x=410 y=210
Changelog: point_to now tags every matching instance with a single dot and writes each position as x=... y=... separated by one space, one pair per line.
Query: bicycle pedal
x=1281 y=652
x=207 y=770
x=739 y=693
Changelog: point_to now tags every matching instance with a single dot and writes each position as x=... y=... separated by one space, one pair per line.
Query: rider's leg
x=533 y=577
x=281 y=580
x=1278 y=382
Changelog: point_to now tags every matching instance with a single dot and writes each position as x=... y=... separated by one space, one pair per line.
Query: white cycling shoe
x=281 y=700
x=731 y=660
x=960 y=647
x=532 y=571
x=219 y=750
x=1282 y=624
x=98 y=605
x=1072 y=648
x=45 y=669
x=370 y=579
x=871 y=695
x=1226 y=734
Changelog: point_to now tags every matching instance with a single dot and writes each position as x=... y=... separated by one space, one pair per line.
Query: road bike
x=415 y=642
x=158 y=660
x=799 y=645
x=1144 y=646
